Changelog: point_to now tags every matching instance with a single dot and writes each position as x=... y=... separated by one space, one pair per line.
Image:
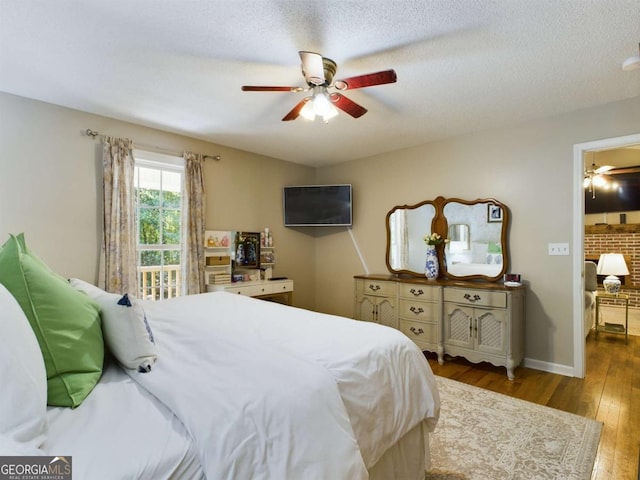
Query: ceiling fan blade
x=621 y=170
x=252 y=88
x=367 y=80
x=347 y=105
x=603 y=169
x=312 y=67
x=295 y=113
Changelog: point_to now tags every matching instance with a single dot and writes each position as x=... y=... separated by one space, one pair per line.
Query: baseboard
x=565 y=370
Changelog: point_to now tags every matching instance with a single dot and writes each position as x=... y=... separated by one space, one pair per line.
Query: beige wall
x=50 y=189
x=529 y=167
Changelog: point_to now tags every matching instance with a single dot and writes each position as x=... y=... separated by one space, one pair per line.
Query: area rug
x=483 y=435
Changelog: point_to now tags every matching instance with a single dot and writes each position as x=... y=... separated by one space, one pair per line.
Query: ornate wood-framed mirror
x=406 y=227
x=476 y=233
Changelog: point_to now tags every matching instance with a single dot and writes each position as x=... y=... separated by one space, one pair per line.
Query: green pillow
x=66 y=324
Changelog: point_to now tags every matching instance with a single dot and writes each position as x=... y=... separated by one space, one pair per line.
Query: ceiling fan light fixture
x=307 y=111
x=632 y=63
x=319 y=106
x=323 y=108
x=599 y=181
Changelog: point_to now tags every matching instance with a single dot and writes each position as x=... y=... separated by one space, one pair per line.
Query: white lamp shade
x=612 y=264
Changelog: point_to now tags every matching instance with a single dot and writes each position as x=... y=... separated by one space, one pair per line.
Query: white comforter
x=275 y=392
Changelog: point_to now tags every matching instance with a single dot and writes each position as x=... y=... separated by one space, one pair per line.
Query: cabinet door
x=366 y=308
x=458 y=325
x=491 y=335
x=386 y=312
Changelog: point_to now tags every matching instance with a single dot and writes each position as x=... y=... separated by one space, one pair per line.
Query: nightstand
x=613 y=327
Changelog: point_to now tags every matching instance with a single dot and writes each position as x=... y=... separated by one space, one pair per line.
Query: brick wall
x=624 y=239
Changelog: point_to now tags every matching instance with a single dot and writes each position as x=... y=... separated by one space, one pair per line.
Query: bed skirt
x=406 y=460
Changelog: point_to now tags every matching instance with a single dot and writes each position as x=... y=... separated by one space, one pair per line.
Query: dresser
x=260 y=289
x=480 y=321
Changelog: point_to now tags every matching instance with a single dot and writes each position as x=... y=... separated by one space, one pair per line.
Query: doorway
x=579 y=151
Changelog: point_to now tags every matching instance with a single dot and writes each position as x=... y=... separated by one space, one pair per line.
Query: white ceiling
x=462 y=65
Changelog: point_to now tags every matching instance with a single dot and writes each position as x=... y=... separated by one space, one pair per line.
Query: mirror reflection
x=406 y=227
x=477 y=247
x=458 y=237
x=476 y=232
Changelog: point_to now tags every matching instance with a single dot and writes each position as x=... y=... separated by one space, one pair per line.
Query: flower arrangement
x=433 y=239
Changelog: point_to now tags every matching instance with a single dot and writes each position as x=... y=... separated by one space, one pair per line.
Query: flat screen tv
x=626 y=198
x=317 y=205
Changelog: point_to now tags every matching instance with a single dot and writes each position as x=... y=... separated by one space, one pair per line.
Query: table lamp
x=612 y=264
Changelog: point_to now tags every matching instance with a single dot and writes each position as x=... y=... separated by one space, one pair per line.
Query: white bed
x=247 y=389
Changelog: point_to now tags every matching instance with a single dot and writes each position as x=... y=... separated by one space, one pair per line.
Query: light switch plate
x=558 y=249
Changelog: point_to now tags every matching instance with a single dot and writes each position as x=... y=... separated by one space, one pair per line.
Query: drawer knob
x=416 y=331
x=417 y=311
x=469 y=298
x=415 y=292
x=373 y=287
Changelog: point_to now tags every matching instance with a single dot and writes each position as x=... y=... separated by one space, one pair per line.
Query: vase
x=431 y=266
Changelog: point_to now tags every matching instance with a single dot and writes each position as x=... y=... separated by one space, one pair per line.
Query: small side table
x=613 y=327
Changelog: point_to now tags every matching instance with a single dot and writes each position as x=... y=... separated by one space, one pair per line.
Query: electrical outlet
x=558 y=249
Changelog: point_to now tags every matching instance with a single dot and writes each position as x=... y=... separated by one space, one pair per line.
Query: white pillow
x=494 y=258
x=23 y=378
x=124 y=326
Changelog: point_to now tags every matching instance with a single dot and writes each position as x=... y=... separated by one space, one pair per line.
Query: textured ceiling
x=462 y=65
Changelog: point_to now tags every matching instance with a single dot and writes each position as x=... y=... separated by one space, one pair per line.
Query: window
x=158 y=197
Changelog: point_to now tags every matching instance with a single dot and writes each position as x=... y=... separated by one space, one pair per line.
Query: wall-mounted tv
x=626 y=198
x=317 y=205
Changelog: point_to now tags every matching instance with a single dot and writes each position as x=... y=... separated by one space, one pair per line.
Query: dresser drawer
x=483 y=298
x=278 y=286
x=376 y=287
x=419 y=331
x=423 y=311
x=249 y=290
x=419 y=292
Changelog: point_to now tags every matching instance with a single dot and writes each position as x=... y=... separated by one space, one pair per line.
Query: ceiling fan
x=594 y=176
x=318 y=72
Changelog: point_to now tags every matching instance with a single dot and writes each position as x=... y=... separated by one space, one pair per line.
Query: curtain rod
x=92 y=133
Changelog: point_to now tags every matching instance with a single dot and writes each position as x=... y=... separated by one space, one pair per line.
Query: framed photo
x=248 y=249
x=494 y=213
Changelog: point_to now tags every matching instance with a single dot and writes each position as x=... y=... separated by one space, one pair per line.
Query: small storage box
x=223 y=260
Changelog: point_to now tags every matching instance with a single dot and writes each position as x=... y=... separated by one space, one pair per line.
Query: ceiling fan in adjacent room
x=600 y=177
x=318 y=72
x=594 y=177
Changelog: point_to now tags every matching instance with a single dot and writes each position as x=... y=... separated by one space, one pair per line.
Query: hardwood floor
x=610 y=393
